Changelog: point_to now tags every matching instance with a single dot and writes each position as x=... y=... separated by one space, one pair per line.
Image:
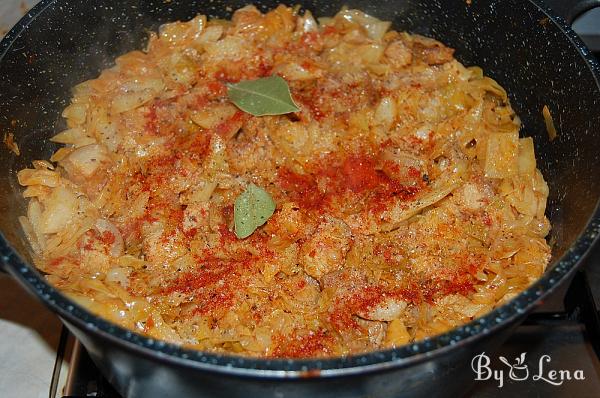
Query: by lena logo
x=519 y=370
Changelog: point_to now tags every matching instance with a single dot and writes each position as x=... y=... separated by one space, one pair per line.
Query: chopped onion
x=229 y=48
x=293 y=71
x=103 y=128
x=527 y=164
x=204 y=193
x=385 y=114
x=33 y=191
x=61 y=154
x=30 y=234
x=42 y=165
x=74 y=136
x=369 y=53
x=387 y=310
x=211 y=117
x=59 y=209
x=130 y=100
x=117 y=247
x=211 y=34
x=119 y=275
x=135 y=93
x=129 y=261
x=34 y=215
x=81 y=91
x=396 y=334
x=75 y=113
x=47 y=178
x=182 y=68
x=307 y=23
x=176 y=32
x=502 y=153
x=374 y=27
x=84 y=162
x=9 y=141
x=550 y=127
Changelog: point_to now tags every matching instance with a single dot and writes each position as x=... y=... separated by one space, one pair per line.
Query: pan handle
x=569 y=10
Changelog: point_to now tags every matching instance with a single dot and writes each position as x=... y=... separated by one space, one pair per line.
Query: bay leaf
x=265 y=96
x=251 y=210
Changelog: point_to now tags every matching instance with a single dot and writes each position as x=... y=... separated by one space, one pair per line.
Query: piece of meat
x=387 y=310
x=326 y=250
x=399 y=54
x=431 y=51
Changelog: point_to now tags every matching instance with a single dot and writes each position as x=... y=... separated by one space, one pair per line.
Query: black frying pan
x=535 y=56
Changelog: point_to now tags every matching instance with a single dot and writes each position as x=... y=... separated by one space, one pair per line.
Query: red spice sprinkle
x=307 y=65
x=167 y=237
x=107 y=237
x=55 y=262
x=227 y=236
x=309 y=39
x=157 y=123
x=176 y=215
x=383 y=250
x=133 y=229
x=342 y=316
x=227 y=212
x=329 y=30
x=264 y=69
x=365 y=299
x=462 y=284
x=310 y=101
x=190 y=233
x=357 y=174
x=360 y=174
x=414 y=172
x=214 y=282
x=201 y=101
x=193 y=281
x=199 y=146
x=302 y=189
x=215 y=302
x=487 y=220
x=387 y=254
x=152 y=120
x=217 y=88
x=149 y=324
x=88 y=238
x=231 y=125
x=302 y=346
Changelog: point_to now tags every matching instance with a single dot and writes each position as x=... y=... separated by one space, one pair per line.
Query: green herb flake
x=251 y=210
x=266 y=96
